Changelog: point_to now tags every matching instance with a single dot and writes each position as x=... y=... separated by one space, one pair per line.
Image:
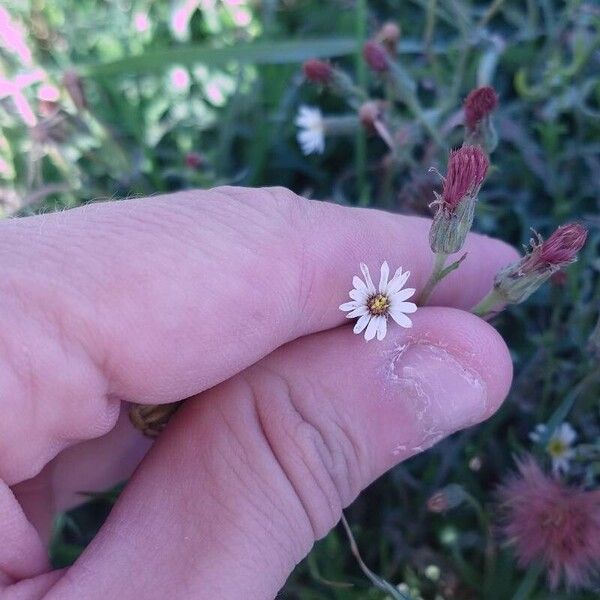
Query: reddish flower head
x=467 y=168
x=376 y=56
x=193 y=160
x=552 y=524
x=559 y=250
x=389 y=36
x=479 y=104
x=317 y=71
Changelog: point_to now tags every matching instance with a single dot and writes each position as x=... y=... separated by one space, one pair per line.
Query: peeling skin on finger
x=440 y=391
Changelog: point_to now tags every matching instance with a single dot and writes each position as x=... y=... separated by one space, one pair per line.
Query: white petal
x=359 y=295
x=358 y=312
x=372 y=328
x=402 y=295
x=567 y=434
x=403 y=307
x=401 y=319
x=383 y=279
x=367 y=276
x=397 y=283
x=358 y=283
x=382 y=328
x=362 y=323
x=349 y=306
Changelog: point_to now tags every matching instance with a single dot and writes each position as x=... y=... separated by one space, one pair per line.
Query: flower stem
x=434 y=278
x=482 y=308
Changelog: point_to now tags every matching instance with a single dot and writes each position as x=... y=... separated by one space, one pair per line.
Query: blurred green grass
x=236 y=110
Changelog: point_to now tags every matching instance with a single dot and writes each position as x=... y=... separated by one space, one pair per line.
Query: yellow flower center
x=556 y=448
x=378 y=305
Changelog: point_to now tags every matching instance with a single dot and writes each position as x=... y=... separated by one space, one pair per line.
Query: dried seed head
x=479 y=104
x=376 y=56
x=317 y=71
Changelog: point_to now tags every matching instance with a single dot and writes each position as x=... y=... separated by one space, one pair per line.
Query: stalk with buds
x=516 y=282
x=455 y=209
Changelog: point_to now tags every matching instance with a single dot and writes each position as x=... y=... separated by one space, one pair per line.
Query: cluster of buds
x=455 y=207
x=478 y=106
x=518 y=281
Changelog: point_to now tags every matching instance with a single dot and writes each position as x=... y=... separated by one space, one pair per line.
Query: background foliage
x=201 y=93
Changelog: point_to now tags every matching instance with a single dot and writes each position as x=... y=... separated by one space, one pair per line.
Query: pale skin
x=230 y=296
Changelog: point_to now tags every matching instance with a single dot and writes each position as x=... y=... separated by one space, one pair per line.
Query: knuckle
x=318 y=450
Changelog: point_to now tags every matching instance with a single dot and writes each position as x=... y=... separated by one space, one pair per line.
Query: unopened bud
x=455 y=208
x=478 y=106
x=376 y=56
x=317 y=71
x=194 y=160
x=369 y=112
x=447 y=498
x=516 y=282
x=389 y=36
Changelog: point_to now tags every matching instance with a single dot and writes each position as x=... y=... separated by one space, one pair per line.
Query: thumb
x=247 y=476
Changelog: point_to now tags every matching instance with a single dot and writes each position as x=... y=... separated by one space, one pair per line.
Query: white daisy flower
x=373 y=306
x=311 y=130
x=559 y=446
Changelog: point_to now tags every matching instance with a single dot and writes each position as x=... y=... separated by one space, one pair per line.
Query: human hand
x=231 y=296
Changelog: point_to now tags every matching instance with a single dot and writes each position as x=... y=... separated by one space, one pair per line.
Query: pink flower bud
x=376 y=56
x=479 y=104
x=193 y=160
x=389 y=36
x=317 y=71
x=562 y=246
x=447 y=498
x=467 y=168
x=518 y=281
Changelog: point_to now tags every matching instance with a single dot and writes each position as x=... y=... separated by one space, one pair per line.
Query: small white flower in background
x=311 y=130
x=559 y=446
x=373 y=306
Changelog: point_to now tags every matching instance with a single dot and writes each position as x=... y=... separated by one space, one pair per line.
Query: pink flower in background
x=552 y=524
x=180 y=18
x=180 y=79
x=12 y=37
x=141 y=22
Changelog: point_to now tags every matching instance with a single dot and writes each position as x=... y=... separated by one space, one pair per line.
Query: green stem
x=377 y=581
x=434 y=278
x=361 y=75
x=485 y=306
x=528 y=584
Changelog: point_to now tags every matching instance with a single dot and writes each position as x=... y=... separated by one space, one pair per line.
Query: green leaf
x=283 y=52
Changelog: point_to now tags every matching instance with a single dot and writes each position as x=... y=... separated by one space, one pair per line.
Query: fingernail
x=443 y=392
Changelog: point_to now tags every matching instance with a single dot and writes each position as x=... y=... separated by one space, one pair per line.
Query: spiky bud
x=519 y=280
x=467 y=169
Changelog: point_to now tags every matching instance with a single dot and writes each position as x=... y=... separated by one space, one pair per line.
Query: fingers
x=155 y=300
x=249 y=475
